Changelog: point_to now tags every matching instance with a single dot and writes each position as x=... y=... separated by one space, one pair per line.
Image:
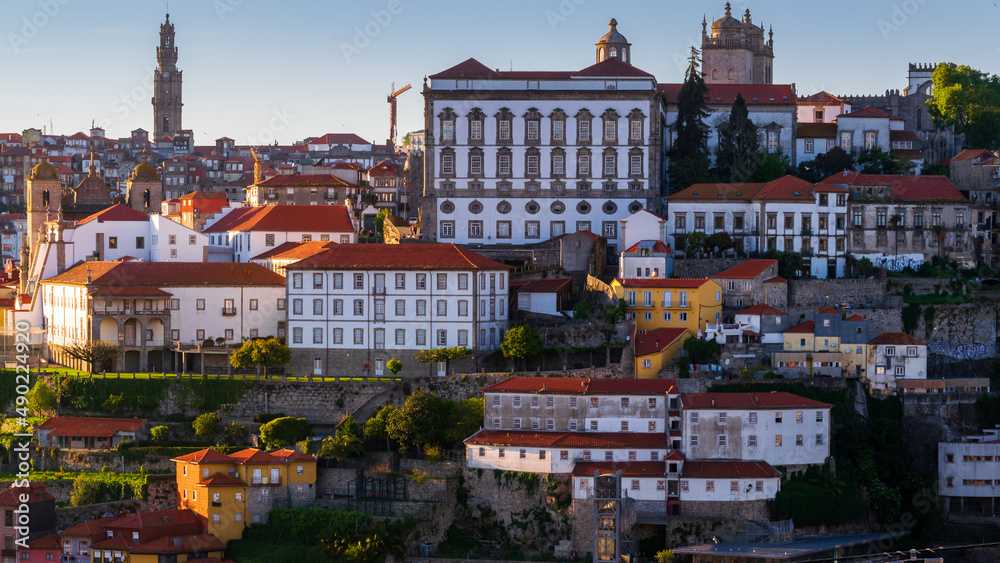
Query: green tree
x=616 y=313
x=422 y=421
x=521 y=343
x=263 y=353
x=701 y=351
x=834 y=161
x=773 y=165
x=285 y=431
x=42 y=399
x=694 y=244
x=377 y=427
x=204 y=425
x=394 y=366
x=380 y=222
x=739 y=145
x=159 y=433
x=968 y=100
x=346 y=442
x=94 y=352
x=445 y=355
x=719 y=241
x=877 y=161
x=689 y=158
x=467 y=419
x=790 y=263
x=665 y=556
x=582 y=310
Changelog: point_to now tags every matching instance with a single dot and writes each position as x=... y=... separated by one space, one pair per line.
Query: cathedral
x=735 y=52
x=167 y=83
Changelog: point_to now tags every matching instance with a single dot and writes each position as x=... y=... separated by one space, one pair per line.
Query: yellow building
x=230 y=491
x=656 y=349
x=670 y=303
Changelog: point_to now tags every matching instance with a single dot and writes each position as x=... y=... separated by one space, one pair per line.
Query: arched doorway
x=109 y=331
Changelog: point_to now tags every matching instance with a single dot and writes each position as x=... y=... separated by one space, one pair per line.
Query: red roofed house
x=388 y=184
x=974 y=169
x=787 y=214
x=161 y=312
x=301 y=189
x=383 y=301
x=760 y=323
x=830 y=346
x=670 y=302
x=543 y=296
x=893 y=356
x=934 y=219
x=45 y=548
x=84 y=433
x=658 y=348
x=744 y=285
x=250 y=231
x=647 y=259
x=29 y=512
x=197 y=207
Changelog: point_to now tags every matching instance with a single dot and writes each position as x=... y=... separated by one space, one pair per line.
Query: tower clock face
x=166 y=75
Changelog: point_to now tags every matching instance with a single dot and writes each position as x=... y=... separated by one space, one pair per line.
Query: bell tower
x=145 y=189
x=167 y=85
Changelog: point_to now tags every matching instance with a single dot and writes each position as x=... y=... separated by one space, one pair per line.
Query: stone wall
x=331 y=481
x=60 y=488
x=751 y=510
x=53 y=459
x=816 y=294
x=703 y=267
x=161 y=495
x=966 y=331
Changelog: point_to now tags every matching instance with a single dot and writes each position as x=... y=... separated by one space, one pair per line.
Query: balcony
x=216 y=504
x=229 y=311
x=107 y=312
x=264 y=481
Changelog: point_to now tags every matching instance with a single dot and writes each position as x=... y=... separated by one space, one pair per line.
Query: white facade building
x=968 y=474
x=895 y=355
x=241 y=233
x=779 y=428
x=353 y=307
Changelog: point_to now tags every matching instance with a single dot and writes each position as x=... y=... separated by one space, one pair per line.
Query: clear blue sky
x=247 y=61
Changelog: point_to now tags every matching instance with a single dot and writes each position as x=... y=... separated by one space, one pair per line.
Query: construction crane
x=258 y=168
x=392 y=111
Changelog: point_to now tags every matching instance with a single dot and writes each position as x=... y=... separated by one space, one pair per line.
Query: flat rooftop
x=788 y=550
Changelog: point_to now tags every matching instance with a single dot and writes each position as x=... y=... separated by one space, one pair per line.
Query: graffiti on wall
x=895 y=264
x=960 y=350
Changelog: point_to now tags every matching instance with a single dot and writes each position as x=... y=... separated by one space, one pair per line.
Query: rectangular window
x=504 y=130
x=532 y=129
x=338 y=336
x=532 y=229
x=421 y=308
x=421 y=337
x=752 y=441
x=531 y=166
x=400 y=307
x=709 y=486
x=610 y=165
x=558 y=165
x=442 y=308
x=558 y=130
x=610 y=130
x=442 y=337
x=400 y=336
x=583 y=164
x=359 y=307
x=694 y=440
x=635 y=165
x=583 y=130
x=296 y=335
x=317 y=336
x=476 y=130
x=447 y=130
x=777 y=440
x=359 y=336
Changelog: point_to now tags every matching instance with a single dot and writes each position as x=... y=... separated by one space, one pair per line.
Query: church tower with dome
x=145 y=188
x=613 y=45
x=167 y=86
x=736 y=52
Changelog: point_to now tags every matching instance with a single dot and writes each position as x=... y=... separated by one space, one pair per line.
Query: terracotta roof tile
x=128 y=291
x=675 y=455
x=254 y=456
x=295 y=250
x=729 y=469
x=579 y=386
x=747 y=269
x=611 y=67
x=787 y=188
x=286 y=218
x=656 y=340
x=905 y=135
x=869 y=111
x=169 y=274
x=973 y=154
x=529 y=438
x=821 y=97
x=663 y=282
x=156 y=518
x=86 y=426
x=907 y=188
x=808 y=327
x=855 y=318
x=88 y=528
x=630 y=469
x=776 y=279
x=11 y=495
x=761 y=309
x=117 y=212
x=310 y=180
x=653 y=245
x=50 y=541
x=433 y=256
x=717 y=192
x=773 y=400
x=292 y=455
x=725 y=94
x=549 y=285
x=220 y=480
x=188 y=544
x=897 y=339
x=208 y=455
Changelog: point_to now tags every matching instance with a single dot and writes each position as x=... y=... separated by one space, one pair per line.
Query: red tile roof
x=717 y=192
x=313 y=180
x=747 y=269
x=657 y=247
x=817 y=131
x=129 y=291
x=663 y=282
x=188 y=544
x=88 y=528
x=11 y=496
x=201 y=194
x=529 y=438
x=656 y=340
x=117 y=212
x=50 y=541
x=286 y=218
x=339 y=139
x=550 y=285
x=761 y=309
x=807 y=327
x=220 y=480
x=675 y=455
x=829 y=311
x=254 y=456
x=729 y=469
x=397 y=257
x=897 y=339
x=169 y=274
x=869 y=111
x=295 y=250
x=725 y=94
x=971 y=154
x=292 y=455
x=384 y=168
x=822 y=97
x=116 y=542
x=773 y=400
x=579 y=386
x=156 y=518
x=776 y=279
x=855 y=317
x=629 y=469
x=208 y=455
x=469 y=68
x=907 y=188
x=86 y=426
x=906 y=135
x=787 y=188
x=611 y=67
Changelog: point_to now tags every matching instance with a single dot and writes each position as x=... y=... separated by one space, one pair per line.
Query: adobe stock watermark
x=365 y=34
x=223 y=7
x=280 y=119
x=20 y=450
x=563 y=11
x=31 y=26
x=901 y=14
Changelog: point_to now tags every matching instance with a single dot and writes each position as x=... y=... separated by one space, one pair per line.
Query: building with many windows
x=242 y=233
x=353 y=306
x=893 y=356
x=670 y=302
x=968 y=474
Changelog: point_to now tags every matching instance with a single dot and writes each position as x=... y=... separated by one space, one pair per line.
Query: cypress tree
x=739 y=145
x=689 y=158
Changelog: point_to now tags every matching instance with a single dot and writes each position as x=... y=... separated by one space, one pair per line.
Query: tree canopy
x=877 y=161
x=41 y=398
x=689 y=158
x=701 y=351
x=737 y=157
x=263 y=352
x=285 y=431
x=968 y=100
x=521 y=343
x=94 y=352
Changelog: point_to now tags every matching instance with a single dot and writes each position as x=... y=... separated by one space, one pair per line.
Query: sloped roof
x=971 y=154
x=897 y=339
x=629 y=469
x=663 y=282
x=904 y=135
x=473 y=69
x=385 y=167
x=829 y=311
x=747 y=269
x=761 y=309
x=717 y=192
x=725 y=94
x=869 y=111
x=254 y=456
x=652 y=245
x=611 y=67
x=816 y=131
x=435 y=256
x=583 y=386
x=156 y=518
x=307 y=180
x=822 y=97
x=220 y=480
x=776 y=279
x=339 y=139
x=295 y=250
x=787 y=188
x=808 y=327
x=530 y=438
x=907 y=188
x=549 y=285
x=292 y=455
x=11 y=496
x=117 y=212
x=169 y=274
x=855 y=318
x=286 y=218
x=208 y=455
x=729 y=469
x=129 y=291
x=656 y=340
x=772 y=400
x=188 y=544
x=88 y=528
x=469 y=68
x=86 y=426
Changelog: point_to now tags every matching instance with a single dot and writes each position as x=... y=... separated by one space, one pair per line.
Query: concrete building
x=893 y=356
x=968 y=474
x=924 y=215
x=670 y=303
x=354 y=307
x=830 y=346
x=241 y=233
